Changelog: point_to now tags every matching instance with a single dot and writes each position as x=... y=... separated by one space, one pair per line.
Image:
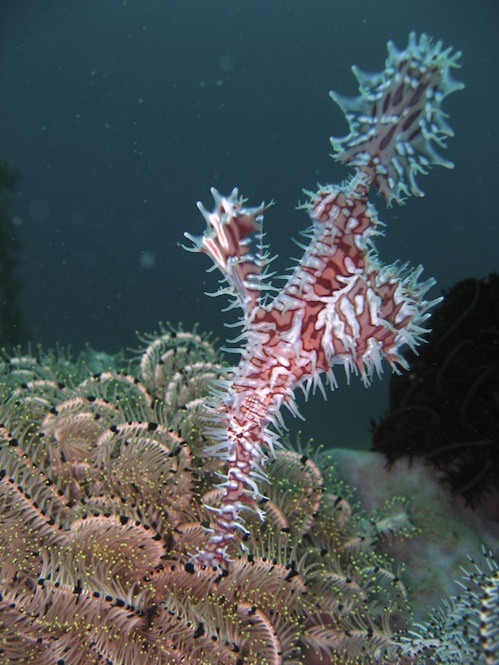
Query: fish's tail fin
x=396 y=123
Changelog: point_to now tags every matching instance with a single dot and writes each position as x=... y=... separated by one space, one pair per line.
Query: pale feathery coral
x=103 y=502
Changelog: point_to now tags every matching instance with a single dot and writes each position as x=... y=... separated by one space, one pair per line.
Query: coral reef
x=118 y=541
x=104 y=495
x=448 y=532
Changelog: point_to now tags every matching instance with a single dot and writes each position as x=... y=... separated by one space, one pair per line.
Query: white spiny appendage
x=466 y=628
x=339 y=305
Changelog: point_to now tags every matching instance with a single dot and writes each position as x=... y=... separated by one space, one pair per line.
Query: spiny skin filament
x=340 y=305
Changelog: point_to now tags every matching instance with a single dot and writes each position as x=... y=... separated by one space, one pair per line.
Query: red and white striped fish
x=341 y=305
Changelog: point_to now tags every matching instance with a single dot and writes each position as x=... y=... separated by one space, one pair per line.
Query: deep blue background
x=120 y=115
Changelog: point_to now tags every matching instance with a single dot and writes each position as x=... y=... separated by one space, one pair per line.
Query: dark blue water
x=121 y=114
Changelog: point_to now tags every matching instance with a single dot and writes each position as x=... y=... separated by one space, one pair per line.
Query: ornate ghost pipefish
x=340 y=305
